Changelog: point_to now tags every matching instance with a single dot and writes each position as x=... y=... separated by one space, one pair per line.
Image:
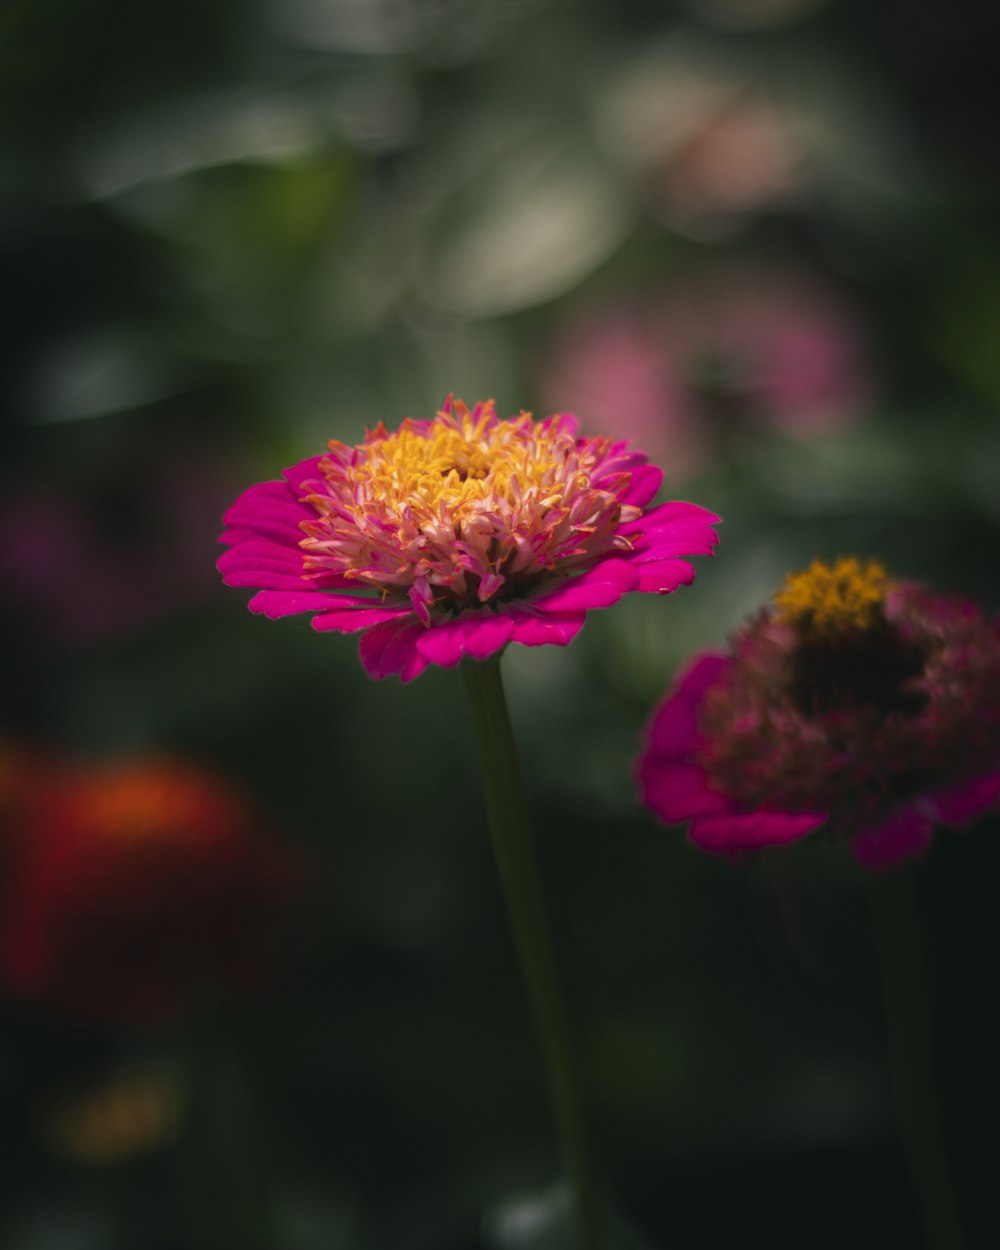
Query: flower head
x=133 y=890
x=866 y=706
x=457 y=535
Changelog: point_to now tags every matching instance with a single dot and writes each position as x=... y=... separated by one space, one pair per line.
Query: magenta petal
x=413 y=665
x=268 y=566
x=488 y=636
x=272 y=491
x=907 y=832
x=391 y=648
x=745 y=831
x=237 y=561
x=269 y=554
x=599 y=587
x=701 y=674
x=536 y=629
x=263 y=579
x=278 y=603
x=256 y=576
x=442 y=645
x=350 y=620
x=476 y=634
x=659 y=577
x=675 y=540
x=286 y=532
x=962 y=803
x=673 y=732
x=678 y=791
x=646 y=479
x=667 y=515
x=306 y=471
x=271 y=510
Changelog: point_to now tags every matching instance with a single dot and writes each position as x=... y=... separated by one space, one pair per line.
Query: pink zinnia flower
x=454 y=536
x=868 y=707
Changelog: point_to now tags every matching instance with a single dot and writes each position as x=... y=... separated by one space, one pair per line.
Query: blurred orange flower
x=135 y=891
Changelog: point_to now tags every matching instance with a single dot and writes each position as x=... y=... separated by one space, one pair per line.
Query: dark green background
x=231 y=231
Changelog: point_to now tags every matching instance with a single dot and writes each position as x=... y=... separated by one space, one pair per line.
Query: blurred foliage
x=230 y=232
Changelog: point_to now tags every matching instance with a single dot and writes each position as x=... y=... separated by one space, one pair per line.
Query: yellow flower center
x=464 y=508
x=828 y=600
x=456 y=471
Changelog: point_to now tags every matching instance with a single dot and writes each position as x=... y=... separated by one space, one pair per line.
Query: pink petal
x=269 y=554
x=391 y=648
x=962 y=803
x=563 y=423
x=285 y=532
x=907 y=832
x=646 y=480
x=745 y=831
x=304 y=471
x=677 y=792
x=271 y=510
x=675 y=540
x=534 y=628
x=701 y=674
x=267 y=566
x=350 y=620
x=265 y=580
x=659 y=577
x=272 y=491
x=669 y=515
x=673 y=732
x=278 y=603
x=599 y=587
x=477 y=634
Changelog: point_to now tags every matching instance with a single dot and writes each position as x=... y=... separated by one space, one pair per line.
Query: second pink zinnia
x=869 y=707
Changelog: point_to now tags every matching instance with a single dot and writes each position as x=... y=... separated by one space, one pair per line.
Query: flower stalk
x=912 y=1047
x=516 y=864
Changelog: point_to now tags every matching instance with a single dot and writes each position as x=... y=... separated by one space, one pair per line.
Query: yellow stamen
x=456 y=471
x=837 y=599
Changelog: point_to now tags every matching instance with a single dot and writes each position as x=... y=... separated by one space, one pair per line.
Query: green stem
x=516 y=862
x=913 y=1054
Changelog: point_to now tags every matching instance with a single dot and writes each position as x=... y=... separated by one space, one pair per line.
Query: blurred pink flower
x=738 y=157
x=707 y=139
x=461 y=533
x=613 y=371
x=691 y=371
x=869 y=708
x=780 y=343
